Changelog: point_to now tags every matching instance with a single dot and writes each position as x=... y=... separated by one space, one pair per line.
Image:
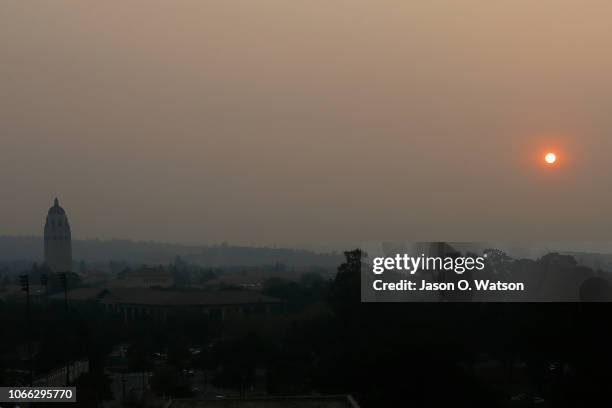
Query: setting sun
x=550 y=158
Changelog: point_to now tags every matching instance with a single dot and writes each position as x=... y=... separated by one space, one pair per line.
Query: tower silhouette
x=58 y=240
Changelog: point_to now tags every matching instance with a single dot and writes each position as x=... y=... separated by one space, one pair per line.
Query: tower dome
x=56 y=209
x=58 y=240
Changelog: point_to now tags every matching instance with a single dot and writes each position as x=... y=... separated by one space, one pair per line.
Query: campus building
x=58 y=240
x=138 y=303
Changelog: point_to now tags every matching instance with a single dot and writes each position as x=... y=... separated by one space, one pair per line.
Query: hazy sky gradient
x=314 y=124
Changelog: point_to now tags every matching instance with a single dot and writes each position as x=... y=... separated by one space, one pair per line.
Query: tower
x=58 y=240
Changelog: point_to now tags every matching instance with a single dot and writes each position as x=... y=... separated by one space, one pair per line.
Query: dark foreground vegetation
x=327 y=341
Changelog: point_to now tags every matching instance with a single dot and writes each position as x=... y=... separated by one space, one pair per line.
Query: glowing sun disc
x=550 y=158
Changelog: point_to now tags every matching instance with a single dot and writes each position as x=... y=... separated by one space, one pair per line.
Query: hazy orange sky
x=317 y=124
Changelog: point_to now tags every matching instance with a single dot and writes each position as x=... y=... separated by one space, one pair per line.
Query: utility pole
x=25 y=286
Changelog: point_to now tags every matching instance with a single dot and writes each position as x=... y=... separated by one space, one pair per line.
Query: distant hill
x=144 y=252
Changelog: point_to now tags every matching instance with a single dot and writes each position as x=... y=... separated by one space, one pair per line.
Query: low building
x=134 y=303
x=16 y=294
x=95 y=278
x=331 y=401
x=61 y=376
x=88 y=295
x=146 y=277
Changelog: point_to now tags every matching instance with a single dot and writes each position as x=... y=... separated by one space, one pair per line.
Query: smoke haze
x=307 y=124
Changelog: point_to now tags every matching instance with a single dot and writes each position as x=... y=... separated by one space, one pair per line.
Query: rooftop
x=153 y=297
x=80 y=294
x=333 y=401
x=56 y=209
x=147 y=272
